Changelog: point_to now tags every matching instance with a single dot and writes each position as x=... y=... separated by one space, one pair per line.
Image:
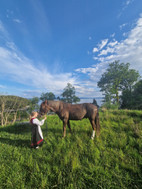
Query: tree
x=117 y=78
x=132 y=99
x=47 y=96
x=137 y=95
x=34 y=106
x=126 y=99
x=69 y=94
x=10 y=107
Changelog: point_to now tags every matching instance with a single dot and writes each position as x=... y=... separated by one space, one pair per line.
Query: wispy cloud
x=127 y=50
x=17 y=20
x=2 y=86
x=100 y=46
x=86 y=70
x=4 y=36
x=112 y=43
x=18 y=68
x=103 y=44
x=22 y=70
x=122 y=26
x=128 y=2
x=106 y=51
x=40 y=18
x=2 y=27
x=125 y=4
x=95 y=49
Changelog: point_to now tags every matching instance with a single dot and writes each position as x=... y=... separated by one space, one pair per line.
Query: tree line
x=13 y=108
x=121 y=88
x=120 y=85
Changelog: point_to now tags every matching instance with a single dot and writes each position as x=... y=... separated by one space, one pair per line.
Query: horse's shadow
x=58 y=131
x=17 y=129
x=52 y=130
x=16 y=142
x=23 y=129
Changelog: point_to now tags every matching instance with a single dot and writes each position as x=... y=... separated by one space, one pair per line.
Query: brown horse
x=67 y=112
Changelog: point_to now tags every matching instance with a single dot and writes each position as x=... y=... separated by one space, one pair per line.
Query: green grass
x=113 y=160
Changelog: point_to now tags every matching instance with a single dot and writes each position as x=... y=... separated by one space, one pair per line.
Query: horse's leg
x=69 y=126
x=64 y=126
x=93 y=127
x=97 y=122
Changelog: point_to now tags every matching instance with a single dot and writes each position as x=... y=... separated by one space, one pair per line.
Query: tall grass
x=113 y=160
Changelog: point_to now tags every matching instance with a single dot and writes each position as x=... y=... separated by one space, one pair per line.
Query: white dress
x=39 y=124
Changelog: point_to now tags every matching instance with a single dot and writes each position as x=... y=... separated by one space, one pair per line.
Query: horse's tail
x=97 y=121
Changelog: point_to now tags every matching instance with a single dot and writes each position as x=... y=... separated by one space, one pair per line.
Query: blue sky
x=45 y=44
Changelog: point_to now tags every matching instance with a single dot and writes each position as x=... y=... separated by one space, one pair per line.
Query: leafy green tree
x=11 y=107
x=137 y=95
x=132 y=99
x=47 y=96
x=117 y=78
x=126 y=99
x=69 y=94
x=34 y=104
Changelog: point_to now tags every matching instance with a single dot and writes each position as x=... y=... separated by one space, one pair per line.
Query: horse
x=67 y=112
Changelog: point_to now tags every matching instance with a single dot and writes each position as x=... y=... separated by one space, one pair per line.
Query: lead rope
x=46 y=127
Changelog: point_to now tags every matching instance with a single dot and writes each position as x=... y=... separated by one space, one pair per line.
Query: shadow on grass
x=60 y=131
x=16 y=129
x=16 y=142
x=51 y=130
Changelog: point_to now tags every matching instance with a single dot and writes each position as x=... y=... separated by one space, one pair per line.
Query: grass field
x=113 y=160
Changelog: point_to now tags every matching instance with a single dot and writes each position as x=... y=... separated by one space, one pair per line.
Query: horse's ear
x=45 y=102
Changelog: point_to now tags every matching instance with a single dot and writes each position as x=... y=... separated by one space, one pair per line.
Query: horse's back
x=75 y=111
x=80 y=111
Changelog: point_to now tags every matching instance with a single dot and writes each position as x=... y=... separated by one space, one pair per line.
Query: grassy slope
x=114 y=160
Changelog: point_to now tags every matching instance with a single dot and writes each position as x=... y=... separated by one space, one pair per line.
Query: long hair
x=32 y=114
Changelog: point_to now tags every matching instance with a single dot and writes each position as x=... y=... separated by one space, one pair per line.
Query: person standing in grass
x=37 y=136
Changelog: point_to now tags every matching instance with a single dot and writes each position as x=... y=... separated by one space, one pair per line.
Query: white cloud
x=106 y=51
x=2 y=86
x=1 y=27
x=103 y=44
x=11 y=45
x=3 y=31
x=112 y=35
x=18 y=68
x=127 y=50
x=122 y=26
x=109 y=49
x=86 y=70
x=17 y=20
x=22 y=70
x=95 y=49
x=128 y=2
x=100 y=46
x=87 y=89
x=124 y=6
x=112 y=43
x=41 y=19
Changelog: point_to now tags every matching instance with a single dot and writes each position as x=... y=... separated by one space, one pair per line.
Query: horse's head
x=44 y=108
